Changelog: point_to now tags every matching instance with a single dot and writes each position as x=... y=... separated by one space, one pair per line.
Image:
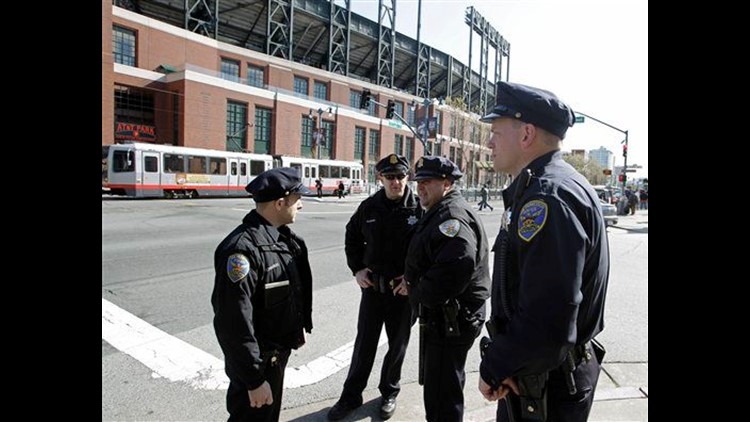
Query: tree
x=472 y=137
x=590 y=169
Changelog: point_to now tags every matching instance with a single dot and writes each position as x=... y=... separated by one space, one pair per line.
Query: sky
x=592 y=54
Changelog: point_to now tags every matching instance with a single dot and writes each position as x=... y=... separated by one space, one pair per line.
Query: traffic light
x=389 y=109
x=622 y=178
x=625 y=150
x=364 y=101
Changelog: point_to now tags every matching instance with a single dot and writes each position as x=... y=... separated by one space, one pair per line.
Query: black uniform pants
x=238 y=400
x=376 y=309
x=444 y=378
x=561 y=405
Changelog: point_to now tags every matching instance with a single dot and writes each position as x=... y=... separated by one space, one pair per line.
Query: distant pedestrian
x=644 y=199
x=483 y=203
x=319 y=187
x=341 y=189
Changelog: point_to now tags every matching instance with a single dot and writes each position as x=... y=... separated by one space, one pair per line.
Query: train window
x=335 y=171
x=243 y=169
x=217 y=165
x=174 y=163
x=257 y=167
x=196 y=164
x=314 y=176
x=234 y=168
x=325 y=171
x=346 y=172
x=123 y=161
x=151 y=165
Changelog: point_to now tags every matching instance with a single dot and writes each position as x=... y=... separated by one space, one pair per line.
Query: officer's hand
x=400 y=288
x=510 y=385
x=261 y=396
x=363 y=278
x=487 y=391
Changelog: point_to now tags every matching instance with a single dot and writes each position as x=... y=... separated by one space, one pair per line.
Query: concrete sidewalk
x=622 y=395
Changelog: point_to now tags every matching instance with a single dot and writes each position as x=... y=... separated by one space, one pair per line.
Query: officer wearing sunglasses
x=376 y=239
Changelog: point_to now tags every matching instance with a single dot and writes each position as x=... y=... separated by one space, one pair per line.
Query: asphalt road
x=157 y=264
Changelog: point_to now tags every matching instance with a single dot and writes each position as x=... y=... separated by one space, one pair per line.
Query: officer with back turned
x=262 y=297
x=447 y=272
x=551 y=267
x=376 y=239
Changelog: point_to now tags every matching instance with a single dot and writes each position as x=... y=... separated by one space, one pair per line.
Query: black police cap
x=276 y=183
x=393 y=164
x=432 y=167
x=532 y=105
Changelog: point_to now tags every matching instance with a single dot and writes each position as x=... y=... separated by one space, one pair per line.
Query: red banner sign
x=134 y=132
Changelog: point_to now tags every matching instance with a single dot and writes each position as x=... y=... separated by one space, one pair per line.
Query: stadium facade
x=279 y=77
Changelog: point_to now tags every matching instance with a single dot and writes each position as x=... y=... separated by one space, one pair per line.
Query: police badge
x=531 y=219
x=450 y=227
x=237 y=267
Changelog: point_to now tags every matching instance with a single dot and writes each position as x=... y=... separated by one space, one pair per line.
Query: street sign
x=579 y=119
x=395 y=124
x=631 y=170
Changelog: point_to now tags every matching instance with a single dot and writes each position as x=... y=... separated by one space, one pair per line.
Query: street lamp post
x=425 y=121
x=624 y=147
x=237 y=132
x=318 y=135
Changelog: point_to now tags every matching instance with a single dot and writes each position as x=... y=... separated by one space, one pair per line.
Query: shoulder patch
x=450 y=227
x=531 y=219
x=237 y=267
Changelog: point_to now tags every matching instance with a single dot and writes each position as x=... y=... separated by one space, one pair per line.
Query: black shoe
x=387 y=407
x=340 y=410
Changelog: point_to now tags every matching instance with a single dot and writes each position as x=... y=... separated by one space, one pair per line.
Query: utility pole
x=237 y=132
x=624 y=145
x=318 y=135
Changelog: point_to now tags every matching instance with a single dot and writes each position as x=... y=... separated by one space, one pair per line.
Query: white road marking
x=178 y=361
x=168 y=356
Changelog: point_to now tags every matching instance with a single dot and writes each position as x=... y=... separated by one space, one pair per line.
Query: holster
x=381 y=284
x=533 y=397
x=450 y=318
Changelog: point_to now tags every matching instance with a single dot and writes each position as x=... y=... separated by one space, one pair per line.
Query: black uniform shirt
x=378 y=233
x=448 y=256
x=557 y=266
x=262 y=297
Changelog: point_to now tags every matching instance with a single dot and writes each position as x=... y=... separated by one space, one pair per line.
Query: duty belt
x=382 y=284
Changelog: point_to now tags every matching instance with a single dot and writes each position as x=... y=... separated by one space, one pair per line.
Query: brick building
x=169 y=85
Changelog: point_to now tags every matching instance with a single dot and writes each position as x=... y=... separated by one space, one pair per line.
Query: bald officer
x=550 y=271
x=447 y=271
x=262 y=296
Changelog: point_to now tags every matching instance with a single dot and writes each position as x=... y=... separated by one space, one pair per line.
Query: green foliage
x=590 y=169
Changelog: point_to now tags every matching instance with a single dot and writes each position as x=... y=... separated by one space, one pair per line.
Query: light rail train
x=143 y=170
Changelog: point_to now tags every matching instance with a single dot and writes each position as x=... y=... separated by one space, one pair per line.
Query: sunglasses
x=394 y=176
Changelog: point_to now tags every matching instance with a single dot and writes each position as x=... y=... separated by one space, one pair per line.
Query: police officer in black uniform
x=376 y=239
x=550 y=271
x=262 y=296
x=447 y=270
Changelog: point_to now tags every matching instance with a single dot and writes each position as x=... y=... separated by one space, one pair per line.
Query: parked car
x=609 y=211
